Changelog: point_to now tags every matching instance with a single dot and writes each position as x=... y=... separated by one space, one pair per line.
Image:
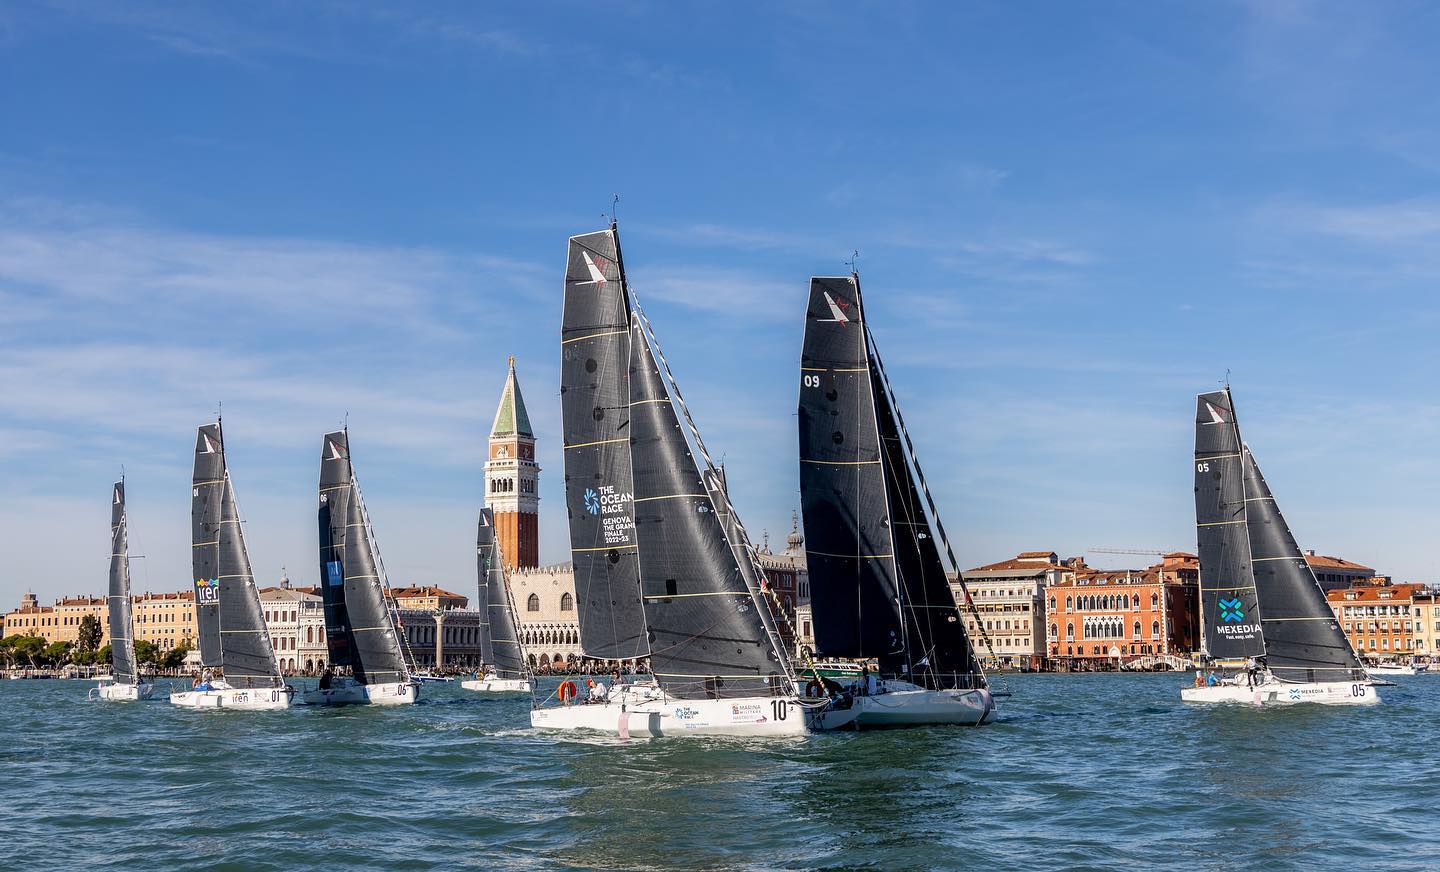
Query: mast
x=333 y=515
x=1229 y=605
x=499 y=633
x=245 y=650
x=122 y=624
x=595 y=405
x=207 y=498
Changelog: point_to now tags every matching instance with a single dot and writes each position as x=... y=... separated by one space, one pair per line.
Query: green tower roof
x=511 y=418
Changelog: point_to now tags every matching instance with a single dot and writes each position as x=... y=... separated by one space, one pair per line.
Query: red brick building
x=512 y=479
x=1100 y=618
x=1379 y=618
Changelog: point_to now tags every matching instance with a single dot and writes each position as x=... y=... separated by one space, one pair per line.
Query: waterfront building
x=786 y=576
x=31 y=619
x=1335 y=573
x=1008 y=600
x=1107 y=618
x=549 y=625
x=295 y=619
x=59 y=622
x=1378 y=617
x=512 y=479
x=166 y=620
x=1426 y=604
x=445 y=640
x=427 y=597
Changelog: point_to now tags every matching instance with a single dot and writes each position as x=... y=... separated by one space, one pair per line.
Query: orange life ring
x=567 y=690
x=814 y=688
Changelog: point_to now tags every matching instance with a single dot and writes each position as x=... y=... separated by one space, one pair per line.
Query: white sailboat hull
x=747 y=716
x=393 y=693
x=226 y=697
x=1285 y=693
x=115 y=692
x=907 y=705
x=1392 y=670
x=498 y=686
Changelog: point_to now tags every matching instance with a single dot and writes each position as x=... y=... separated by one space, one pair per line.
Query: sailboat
x=878 y=589
x=655 y=574
x=240 y=670
x=125 y=682
x=1268 y=633
x=504 y=670
x=360 y=629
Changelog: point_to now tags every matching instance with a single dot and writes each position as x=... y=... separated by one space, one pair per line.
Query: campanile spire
x=512 y=478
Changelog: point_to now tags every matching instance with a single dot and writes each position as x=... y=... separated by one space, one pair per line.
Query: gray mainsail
x=206 y=501
x=1229 y=606
x=122 y=623
x=333 y=515
x=877 y=584
x=1303 y=640
x=707 y=636
x=245 y=651
x=378 y=656
x=594 y=399
x=499 y=634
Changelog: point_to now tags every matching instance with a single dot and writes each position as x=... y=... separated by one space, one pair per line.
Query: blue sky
x=1071 y=218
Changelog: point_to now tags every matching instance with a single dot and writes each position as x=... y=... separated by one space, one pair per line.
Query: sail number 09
x=810 y=381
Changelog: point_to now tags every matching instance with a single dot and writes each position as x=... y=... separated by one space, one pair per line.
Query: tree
x=90 y=634
x=55 y=653
x=175 y=657
x=28 y=649
x=104 y=655
x=146 y=652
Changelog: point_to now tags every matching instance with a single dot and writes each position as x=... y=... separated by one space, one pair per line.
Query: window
x=567 y=602
x=1154 y=629
x=1070 y=604
x=1069 y=631
x=533 y=603
x=1137 y=629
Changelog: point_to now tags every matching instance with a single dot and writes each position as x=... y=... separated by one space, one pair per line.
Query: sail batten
x=122 y=644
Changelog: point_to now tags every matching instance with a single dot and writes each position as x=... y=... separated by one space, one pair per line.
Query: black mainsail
x=364 y=614
x=1229 y=605
x=499 y=632
x=236 y=630
x=122 y=623
x=877 y=584
x=595 y=405
x=708 y=638
x=333 y=517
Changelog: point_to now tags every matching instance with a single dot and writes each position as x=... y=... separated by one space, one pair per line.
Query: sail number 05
x=1202 y=467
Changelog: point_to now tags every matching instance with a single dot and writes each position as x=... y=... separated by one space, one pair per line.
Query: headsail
x=707 y=636
x=594 y=399
x=877 y=584
x=377 y=657
x=334 y=515
x=499 y=631
x=245 y=651
x=122 y=624
x=1303 y=640
x=1229 y=607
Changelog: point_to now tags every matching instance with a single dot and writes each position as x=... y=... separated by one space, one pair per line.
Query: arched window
x=533 y=603
x=1069 y=604
x=1154 y=600
x=1054 y=631
x=1137 y=629
x=1154 y=629
x=309 y=636
x=567 y=602
x=1052 y=603
x=1070 y=631
x=1135 y=603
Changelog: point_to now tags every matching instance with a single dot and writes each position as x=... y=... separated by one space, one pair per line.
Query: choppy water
x=1082 y=771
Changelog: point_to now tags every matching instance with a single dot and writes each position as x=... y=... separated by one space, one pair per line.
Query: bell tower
x=512 y=479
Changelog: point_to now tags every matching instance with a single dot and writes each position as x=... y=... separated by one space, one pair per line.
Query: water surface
x=1082 y=771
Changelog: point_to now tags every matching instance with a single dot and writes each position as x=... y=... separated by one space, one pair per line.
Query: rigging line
x=930 y=500
x=647 y=331
x=392 y=606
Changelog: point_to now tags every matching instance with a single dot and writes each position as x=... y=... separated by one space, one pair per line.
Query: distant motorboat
x=1394 y=669
x=430 y=677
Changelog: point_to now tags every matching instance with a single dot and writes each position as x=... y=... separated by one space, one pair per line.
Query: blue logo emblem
x=592 y=501
x=1230 y=611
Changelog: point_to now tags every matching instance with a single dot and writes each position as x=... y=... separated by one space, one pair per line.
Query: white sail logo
x=838 y=310
x=597 y=272
x=335 y=451
x=1216 y=416
x=207 y=446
